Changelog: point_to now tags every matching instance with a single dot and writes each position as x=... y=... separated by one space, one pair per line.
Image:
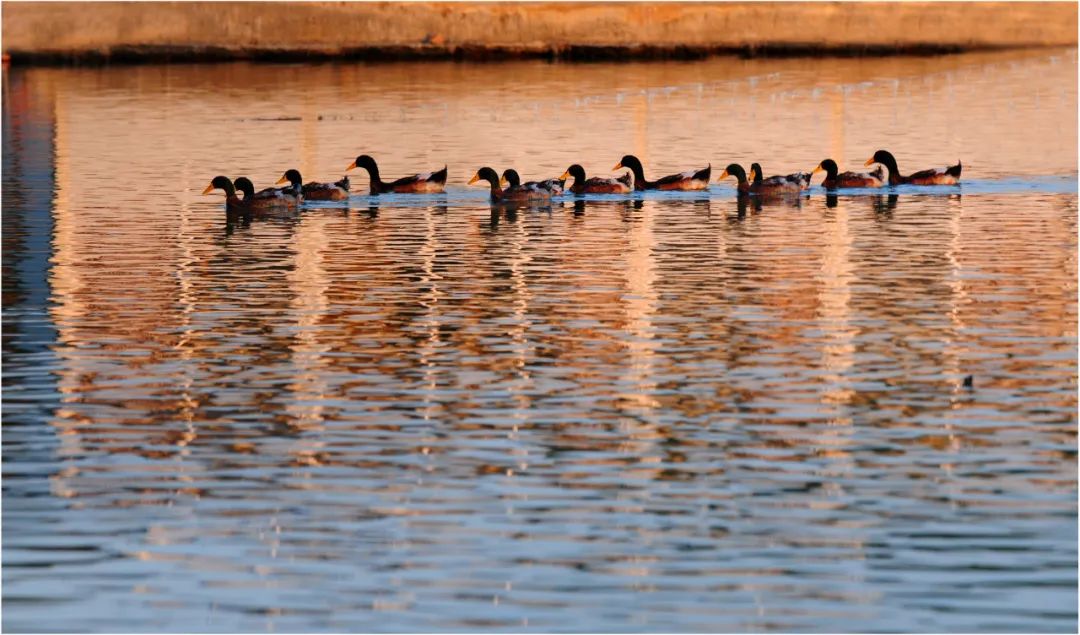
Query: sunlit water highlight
x=663 y=412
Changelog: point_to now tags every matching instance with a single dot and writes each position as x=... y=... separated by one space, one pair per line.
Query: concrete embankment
x=98 y=32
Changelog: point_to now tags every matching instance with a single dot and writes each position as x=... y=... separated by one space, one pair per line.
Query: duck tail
x=955 y=170
x=343 y=183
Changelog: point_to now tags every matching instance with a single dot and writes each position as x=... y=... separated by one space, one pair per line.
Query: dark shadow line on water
x=160 y=54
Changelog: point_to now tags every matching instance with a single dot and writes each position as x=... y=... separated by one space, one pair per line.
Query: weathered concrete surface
x=102 y=31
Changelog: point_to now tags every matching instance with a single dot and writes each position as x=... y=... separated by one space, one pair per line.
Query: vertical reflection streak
x=309 y=284
x=429 y=349
x=518 y=331
x=68 y=310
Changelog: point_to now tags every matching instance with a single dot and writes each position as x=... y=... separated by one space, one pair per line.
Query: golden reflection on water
x=757 y=396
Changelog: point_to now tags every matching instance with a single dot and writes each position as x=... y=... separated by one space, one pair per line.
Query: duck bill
x=816 y=170
x=281 y=180
x=565 y=175
x=869 y=161
x=618 y=166
x=474 y=179
x=723 y=175
x=503 y=182
x=352 y=166
x=209 y=188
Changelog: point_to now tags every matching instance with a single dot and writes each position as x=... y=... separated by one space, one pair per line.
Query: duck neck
x=639 y=175
x=373 y=173
x=579 y=179
x=831 y=172
x=894 y=172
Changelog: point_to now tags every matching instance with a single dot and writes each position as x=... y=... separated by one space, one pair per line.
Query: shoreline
x=576 y=54
x=98 y=33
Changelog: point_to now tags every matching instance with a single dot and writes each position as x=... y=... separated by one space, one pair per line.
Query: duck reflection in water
x=371 y=211
x=885 y=204
x=624 y=206
x=745 y=202
x=499 y=212
x=236 y=219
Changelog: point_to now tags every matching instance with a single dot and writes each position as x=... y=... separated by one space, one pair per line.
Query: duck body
x=684 y=181
x=555 y=186
x=777 y=185
x=933 y=176
x=337 y=191
x=597 y=184
x=267 y=200
x=526 y=194
x=834 y=179
x=294 y=192
x=531 y=192
x=512 y=179
x=421 y=183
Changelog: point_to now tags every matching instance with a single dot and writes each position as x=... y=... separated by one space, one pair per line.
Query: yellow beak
x=352 y=166
x=723 y=175
x=869 y=161
x=617 y=166
x=817 y=169
x=503 y=182
x=474 y=178
x=281 y=180
x=565 y=175
x=753 y=174
x=209 y=188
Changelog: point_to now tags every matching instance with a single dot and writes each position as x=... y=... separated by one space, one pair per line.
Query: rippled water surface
x=670 y=412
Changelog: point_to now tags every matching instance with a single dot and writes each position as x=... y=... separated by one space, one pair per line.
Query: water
x=668 y=413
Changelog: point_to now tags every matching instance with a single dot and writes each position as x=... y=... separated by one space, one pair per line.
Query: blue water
x=671 y=412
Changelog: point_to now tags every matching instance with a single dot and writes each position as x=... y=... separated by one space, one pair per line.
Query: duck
x=933 y=176
x=520 y=194
x=510 y=177
x=315 y=191
x=492 y=177
x=294 y=192
x=233 y=205
x=736 y=170
x=689 y=180
x=848 y=179
x=800 y=180
x=422 y=183
x=530 y=192
x=268 y=200
x=597 y=184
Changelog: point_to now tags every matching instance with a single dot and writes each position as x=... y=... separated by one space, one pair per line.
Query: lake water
x=670 y=412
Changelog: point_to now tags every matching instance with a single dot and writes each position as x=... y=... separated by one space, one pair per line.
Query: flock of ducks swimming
x=508 y=188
